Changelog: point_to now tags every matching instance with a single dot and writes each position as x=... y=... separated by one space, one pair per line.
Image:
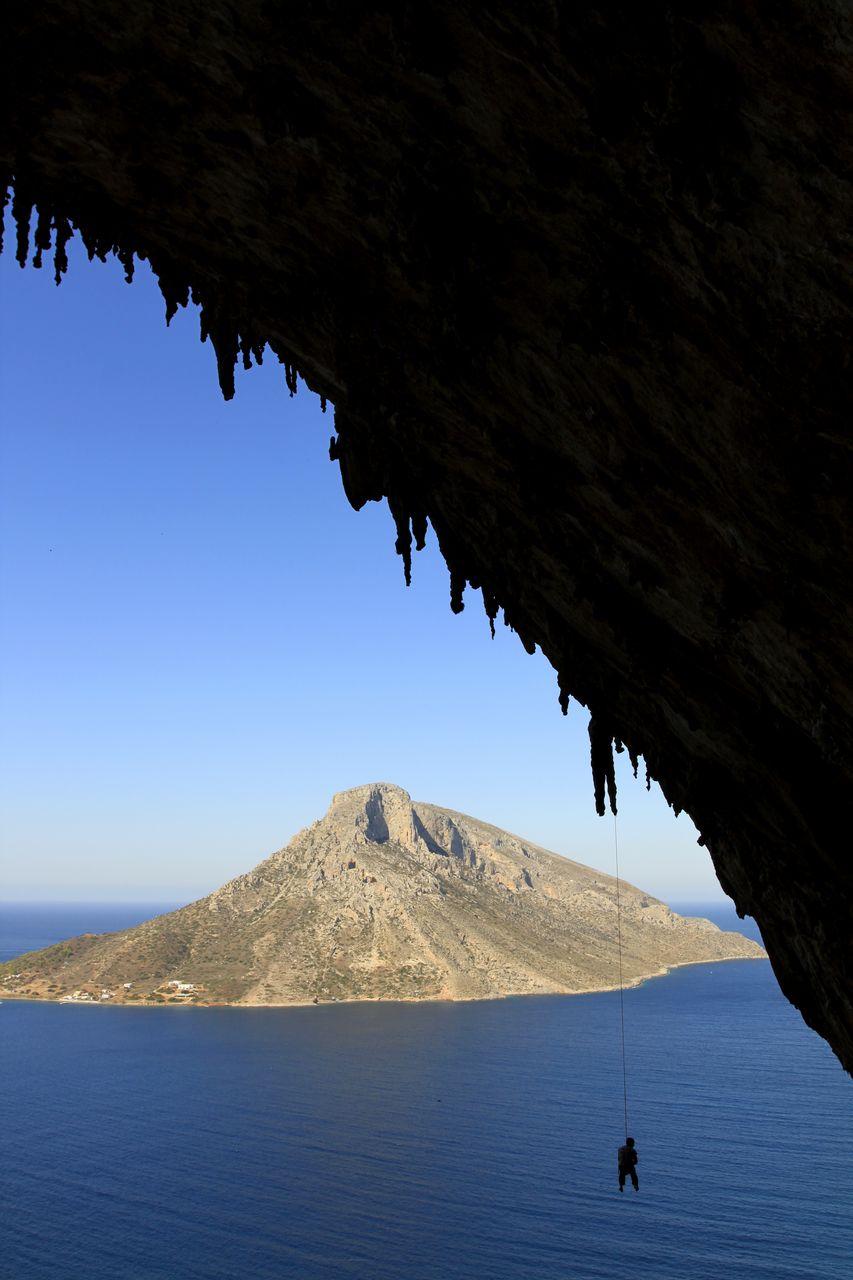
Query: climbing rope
x=621 y=989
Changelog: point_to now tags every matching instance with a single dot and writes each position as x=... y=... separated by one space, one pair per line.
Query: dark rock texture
x=578 y=282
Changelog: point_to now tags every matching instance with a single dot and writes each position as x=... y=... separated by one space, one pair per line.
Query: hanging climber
x=628 y=1164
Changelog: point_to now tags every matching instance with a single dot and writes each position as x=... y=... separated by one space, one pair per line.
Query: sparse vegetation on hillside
x=384 y=899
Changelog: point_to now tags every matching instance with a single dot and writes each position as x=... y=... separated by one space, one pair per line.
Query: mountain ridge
x=386 y=898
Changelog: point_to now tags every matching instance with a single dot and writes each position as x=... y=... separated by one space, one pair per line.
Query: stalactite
x=447 y=547
x=635 y=763
x=403 y=545
x=173 y=301
x=175 y=293
x=125 y=257
x=322 y=404
x=564 y=693
x=290 y=372
x=50 y=229
x=250 y=346
x=490 y=604
x=225 y=342
x=458 y=582
x=5 y=187
x=63 y=233
x=42 y=237
x=22 y=210
x=225 y=345
x=603 y=768
x=96 y=246
x=87 y=241
x=90 y=243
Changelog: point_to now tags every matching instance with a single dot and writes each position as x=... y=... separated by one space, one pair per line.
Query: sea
x=433 y=1141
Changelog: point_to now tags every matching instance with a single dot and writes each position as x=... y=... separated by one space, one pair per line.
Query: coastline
x=318 y=1004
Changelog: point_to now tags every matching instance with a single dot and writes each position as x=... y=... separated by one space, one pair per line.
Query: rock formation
x=386 y=899
x=578 y=282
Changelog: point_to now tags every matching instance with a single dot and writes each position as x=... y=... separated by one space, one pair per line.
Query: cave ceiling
x=577 y=281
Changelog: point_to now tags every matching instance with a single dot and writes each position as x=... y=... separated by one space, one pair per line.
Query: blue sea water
x=418 y=1142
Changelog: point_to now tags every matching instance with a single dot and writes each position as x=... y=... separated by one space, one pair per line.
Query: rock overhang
x=579 y=288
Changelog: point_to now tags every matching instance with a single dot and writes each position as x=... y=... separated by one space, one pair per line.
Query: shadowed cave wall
x=578 y=282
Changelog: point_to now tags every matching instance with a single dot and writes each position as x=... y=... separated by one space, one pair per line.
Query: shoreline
x=321 y=1004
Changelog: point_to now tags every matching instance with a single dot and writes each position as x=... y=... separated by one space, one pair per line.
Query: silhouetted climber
x=628 y=1164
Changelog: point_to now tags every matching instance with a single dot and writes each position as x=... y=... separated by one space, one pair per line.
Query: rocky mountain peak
x=377 y=812
x=390 y=898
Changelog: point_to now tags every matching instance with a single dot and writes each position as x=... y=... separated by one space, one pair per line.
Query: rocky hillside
x=385 y=898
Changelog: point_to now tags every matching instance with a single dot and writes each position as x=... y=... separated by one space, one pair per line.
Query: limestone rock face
x=389 y=899
x=577 y=279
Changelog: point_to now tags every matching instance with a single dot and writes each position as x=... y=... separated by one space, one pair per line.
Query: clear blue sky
x=201 y=641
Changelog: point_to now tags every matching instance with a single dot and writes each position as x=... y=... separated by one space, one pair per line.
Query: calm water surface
x=422 y=1141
